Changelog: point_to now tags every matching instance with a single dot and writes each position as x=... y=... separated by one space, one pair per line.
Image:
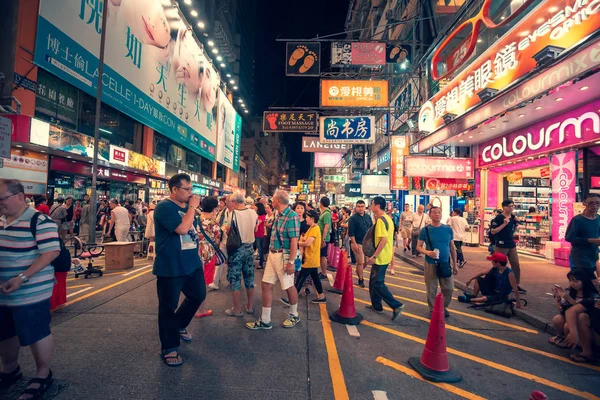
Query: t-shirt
x=304 y=227
x=504 y=238
x=260 y=228
x=43 y=208
x=325 y=219
x=407 y=219
x=385 y=257
x=459 y=225
x=593 y=313
x=583 y=253
x=246 y=222
x=441 y=236
x=312 y=254
x=358 y=225
x=419 y=221
x=176 y=255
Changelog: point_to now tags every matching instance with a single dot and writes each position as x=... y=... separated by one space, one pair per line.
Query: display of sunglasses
x=460 y=44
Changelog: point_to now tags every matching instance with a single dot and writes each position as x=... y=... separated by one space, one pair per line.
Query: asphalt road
x=107 y=348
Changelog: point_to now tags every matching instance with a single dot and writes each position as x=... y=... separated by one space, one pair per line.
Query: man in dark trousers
x=584 y=235
x=503 y=228
x=358 y=225
x=177 y=266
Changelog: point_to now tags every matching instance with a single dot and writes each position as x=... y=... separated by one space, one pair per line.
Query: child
x=580 y=288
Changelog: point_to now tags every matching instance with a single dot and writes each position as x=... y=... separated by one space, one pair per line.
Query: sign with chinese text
x=352 y=190
x=367 y=53
x=545 y=172
x=358 y=157
x=573 y=128
x=229 y=129
x=303 y=59
x=290 y=121
x=564 y=179
x=406 y=100
x=334 y=178
x=119 y=155
x=559 y=23
x=5 y=137
x=328 y=160
x=30 y=167
x=57 y=100
x=311 y=144
x=154 y=71
x=436 y=184
x=353 y=129
x=439 y=167
x=398 y=150
x=375 y=184
x=354 y=93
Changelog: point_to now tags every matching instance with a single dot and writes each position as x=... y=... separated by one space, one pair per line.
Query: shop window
x=56 y=101
x=206 y=167
x=176 y=156
x=161 y=147
x=221 y=172
x=193 y=161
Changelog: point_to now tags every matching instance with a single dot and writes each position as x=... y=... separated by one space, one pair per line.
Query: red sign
x=398 y=149
x=21 y=125
x=119 y=155
x=595 y=181
x=446 y=184
x=545 y=172
x=368 y=53
x=80 y=168
x=439 y=167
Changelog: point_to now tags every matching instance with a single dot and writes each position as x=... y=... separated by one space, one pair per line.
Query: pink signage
x=595 y=182
x=563 y=193
x=566 y=130
x=368 y=53
x=439 y=167
x=328 y=160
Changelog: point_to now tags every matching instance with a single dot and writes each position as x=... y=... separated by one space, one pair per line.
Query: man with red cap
x=495 y=285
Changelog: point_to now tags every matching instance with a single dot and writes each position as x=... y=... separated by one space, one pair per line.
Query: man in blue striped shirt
x=26 y=282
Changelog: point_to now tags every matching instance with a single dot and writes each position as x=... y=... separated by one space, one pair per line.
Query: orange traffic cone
x=433 y=364
x=537 y=395
x=340 y=275
x=347 y=314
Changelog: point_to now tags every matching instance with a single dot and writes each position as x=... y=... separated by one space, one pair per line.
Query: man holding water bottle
x=436 y=242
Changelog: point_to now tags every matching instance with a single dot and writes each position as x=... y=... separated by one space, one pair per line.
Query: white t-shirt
x=459 y=225
x=416 y=221
x=246 y=222
x=408 y=219
x=121 y=217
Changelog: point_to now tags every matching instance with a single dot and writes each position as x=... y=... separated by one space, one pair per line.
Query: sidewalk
x=537 y=277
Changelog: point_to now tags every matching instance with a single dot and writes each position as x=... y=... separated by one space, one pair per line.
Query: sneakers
x=212 y=286
x=408 y=247
x=322 y=277
x=361 y=283
x=231 y=313
x=446 y=313
x=521 y=290
x=318 y=301
x=258 y=325
x=462 y=263
x=397 y=312
x=285 y=301
x=370 y=307
x=291 y=321
x=466 y=298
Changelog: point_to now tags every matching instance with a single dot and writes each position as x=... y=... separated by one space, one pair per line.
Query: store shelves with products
x=533 y=233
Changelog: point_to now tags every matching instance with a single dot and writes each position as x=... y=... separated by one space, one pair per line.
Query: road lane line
x=399 y=272
x=491 y=321
x=496 y=340
x=404 y=287
x=95 y=292
x=413 y=374
x=491 y=364
x=330 y=279
x=79 y=291
x=136 y=270
x=77 y=286
x=353 y=331
x=379 y=395
x=340 y=392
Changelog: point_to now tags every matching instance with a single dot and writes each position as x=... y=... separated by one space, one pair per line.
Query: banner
x=398 y=150
x=303 y=59
x=564 y=179
x=439 y=184
x=397 y=53
x=353 y=190
x=439 y=167
x=229 y=128
x=354 y=93
x=367 y=53
x=76 y=143
x=311 y=144
x=358 y=157
x=352 y=129
x=375 y=184
x=29 y=167
x=154 y=71
x=334 y=178
x=328 y=160
x=119 y=155
x=290 y=121
x=515 y=178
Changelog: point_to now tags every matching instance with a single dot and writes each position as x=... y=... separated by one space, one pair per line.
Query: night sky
x=292 y=19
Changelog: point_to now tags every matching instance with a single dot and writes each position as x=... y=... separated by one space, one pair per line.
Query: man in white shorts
x=280 y=267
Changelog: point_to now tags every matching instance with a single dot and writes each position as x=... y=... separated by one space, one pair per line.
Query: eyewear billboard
x=155 y=71
x=311 y=144
x=347 y=129
x=290 y=121
x=229 y=128
x=303 y=59
x=354 y=93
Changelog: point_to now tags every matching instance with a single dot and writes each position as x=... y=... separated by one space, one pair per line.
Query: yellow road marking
x=95 y=292
x=77 y=286
x=464 y=314
x=340 y=392
x=496 y=340
x=113 y=273
x=413 y=374
x=491 y=364
x=400 y=272
x=406 y=288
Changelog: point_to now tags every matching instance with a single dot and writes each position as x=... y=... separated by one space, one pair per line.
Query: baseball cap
x=498 y=257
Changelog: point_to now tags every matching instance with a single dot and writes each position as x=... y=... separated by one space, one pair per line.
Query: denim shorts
x=31 y=323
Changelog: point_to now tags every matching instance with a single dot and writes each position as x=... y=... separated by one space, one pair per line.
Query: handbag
x=416 y=231
x=234 y=239
x=443 y=268
x=220 y=257
x=369 y=239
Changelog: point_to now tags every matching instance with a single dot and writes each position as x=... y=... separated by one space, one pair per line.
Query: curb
x=532 y=319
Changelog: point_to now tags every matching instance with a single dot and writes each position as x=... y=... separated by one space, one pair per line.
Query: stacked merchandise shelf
x=488 y=215
x=533 y=233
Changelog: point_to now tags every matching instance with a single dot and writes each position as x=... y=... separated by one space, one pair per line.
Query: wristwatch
x=24 y=278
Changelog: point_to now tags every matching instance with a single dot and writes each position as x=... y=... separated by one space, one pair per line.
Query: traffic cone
x=433 y=364
x=335 y=262
x=537 y=395
x=329 y=251
x=347 y=314
x=340 y=276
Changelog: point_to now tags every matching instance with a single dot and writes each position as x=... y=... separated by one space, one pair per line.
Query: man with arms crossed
x=358 y=224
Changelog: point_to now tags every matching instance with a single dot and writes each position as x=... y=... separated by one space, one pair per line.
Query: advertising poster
x=358 y=157
x=303 y=59
x=564 y=180
x=397 y=53
x=290 y=121
x=230 y=134
x=398 y=150
x=155 y=71
x=347 y=129
x=311 y=144
x=354 y=93
x=29 y=167
x=77 y=143
x=375 y=184
x=328 y=160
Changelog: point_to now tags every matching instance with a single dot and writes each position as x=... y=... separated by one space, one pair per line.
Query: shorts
x=324 y=251
x=241 y=264
x=406 y=233
x=274 y=271
x=30 y=323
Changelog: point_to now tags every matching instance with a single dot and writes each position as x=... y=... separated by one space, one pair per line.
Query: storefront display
x=30 y=167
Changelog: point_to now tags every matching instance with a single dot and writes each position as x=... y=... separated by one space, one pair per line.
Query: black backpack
x=62 y=263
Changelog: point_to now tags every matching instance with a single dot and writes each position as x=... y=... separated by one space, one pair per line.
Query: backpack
x=234 y=239
x=62 y=263
x=369 y=240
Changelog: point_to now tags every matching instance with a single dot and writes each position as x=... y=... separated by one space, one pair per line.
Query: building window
x=221 y=172
x=176 y=156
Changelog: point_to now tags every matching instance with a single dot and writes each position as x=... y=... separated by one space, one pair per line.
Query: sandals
x=9 y=379
x=172 y=361
x=578 y=358
x=184 y=335
x=555 y=340
x=39 y=392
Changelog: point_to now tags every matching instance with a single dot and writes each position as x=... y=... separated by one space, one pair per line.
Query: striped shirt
x=19 y=249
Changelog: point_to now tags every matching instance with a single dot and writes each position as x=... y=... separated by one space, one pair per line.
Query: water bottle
x=437 y=253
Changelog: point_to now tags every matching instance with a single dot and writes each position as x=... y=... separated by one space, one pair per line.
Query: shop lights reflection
x=584 y=88
x=538 y=107
x=188 y=2
x=200 y=24
x=194 y=13
x=558 y=99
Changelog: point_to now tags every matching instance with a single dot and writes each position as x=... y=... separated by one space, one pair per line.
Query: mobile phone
x=558 y=286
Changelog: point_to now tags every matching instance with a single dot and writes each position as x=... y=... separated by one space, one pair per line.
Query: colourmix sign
x=563 y=193
x=451 y=168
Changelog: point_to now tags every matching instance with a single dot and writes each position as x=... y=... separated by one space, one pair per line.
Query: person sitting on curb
x=584 y=322
x=495 y=285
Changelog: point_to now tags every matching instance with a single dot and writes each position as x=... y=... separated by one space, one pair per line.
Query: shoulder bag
x=234 y=239
x=416 y=231
x=443 y=268
x=220 y=257
x=62 y=263
x=369 y=239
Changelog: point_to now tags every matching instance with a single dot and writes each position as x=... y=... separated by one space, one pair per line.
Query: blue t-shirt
x=176 y=255
x=441 y=237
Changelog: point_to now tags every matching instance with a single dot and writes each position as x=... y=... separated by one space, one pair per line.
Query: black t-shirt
x=593 y=313
x=303 y=227
x=358 y=226
x=504 y=238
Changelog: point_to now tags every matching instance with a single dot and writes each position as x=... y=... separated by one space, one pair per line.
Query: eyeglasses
x=460 y=44
x=7 y=197
x=187 y=189
x=589 y=203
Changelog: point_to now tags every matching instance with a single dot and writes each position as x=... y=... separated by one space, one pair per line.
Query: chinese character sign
x=290 y=121
x=355 y=129
x=368 y=53
x=398 y=149
x=303 y=59
x=154 y=70
x=334 y=178
x=229 y=131
x=354 y=93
